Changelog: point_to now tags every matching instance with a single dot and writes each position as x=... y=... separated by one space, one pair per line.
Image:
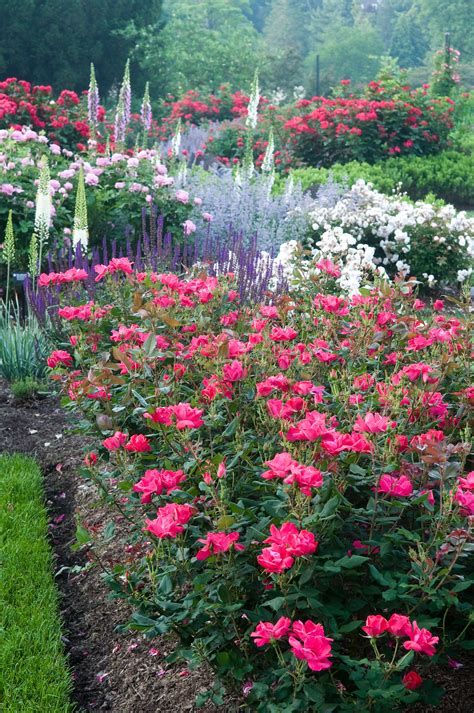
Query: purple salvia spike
x=105 y=257
x=138 y=257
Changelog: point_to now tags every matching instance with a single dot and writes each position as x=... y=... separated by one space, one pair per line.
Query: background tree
x=203 y=44
x=54 y=41
x=346 y=53
x=408 y=42
x=287 y=42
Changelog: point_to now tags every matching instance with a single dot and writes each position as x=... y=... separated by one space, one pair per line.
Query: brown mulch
x=112 y=671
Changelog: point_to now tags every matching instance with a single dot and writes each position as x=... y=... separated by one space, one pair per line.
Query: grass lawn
x=34 y=676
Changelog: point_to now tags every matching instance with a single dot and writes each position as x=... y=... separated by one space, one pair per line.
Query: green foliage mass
x=448 y=175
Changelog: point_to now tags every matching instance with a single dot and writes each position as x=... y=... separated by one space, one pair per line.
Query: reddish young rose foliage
x=284 y=477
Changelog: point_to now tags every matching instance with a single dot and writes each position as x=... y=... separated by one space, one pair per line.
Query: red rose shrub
x=300 y=522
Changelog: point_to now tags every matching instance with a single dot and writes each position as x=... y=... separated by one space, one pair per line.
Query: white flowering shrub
x=367 y=230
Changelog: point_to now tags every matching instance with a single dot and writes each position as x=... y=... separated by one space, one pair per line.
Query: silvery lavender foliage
x=330 y=193
x=192 y=141
x=249 y=208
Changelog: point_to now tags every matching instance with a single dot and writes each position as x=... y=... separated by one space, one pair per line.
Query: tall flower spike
x=176 y=140
x=125 y=95
x=80 y=233
x=43 y=209
x=252 y=110
x=146 y=114
x=93 y=99
x=33 y=257
x=9 y=250
x=268 y=163
x=43 y=195
x=120 y=123
x=251 y=124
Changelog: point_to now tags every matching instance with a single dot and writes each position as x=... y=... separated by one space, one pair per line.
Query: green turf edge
x=34 y=676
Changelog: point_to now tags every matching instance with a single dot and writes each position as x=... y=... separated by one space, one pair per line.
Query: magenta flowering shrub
x=290 y=481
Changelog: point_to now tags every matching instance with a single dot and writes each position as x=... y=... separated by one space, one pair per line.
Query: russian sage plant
x=249 y=207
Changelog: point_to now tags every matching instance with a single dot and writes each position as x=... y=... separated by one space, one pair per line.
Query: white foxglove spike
x=268 y=163
x=252 y=110
x=176 y=141
x=80 y=233
x=43 y=196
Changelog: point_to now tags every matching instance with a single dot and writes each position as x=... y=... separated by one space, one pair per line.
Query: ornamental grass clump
x=294 y=476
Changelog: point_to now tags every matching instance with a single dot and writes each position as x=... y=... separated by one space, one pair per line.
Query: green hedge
x=34 y=677
x=448 y=175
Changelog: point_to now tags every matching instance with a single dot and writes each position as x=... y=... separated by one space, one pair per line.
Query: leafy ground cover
x=34 y=675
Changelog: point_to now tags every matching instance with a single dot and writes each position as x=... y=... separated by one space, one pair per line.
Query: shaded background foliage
x=54 y=41
x=199 y=44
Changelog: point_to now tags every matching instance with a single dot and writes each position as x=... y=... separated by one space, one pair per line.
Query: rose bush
x=63 y=119
x=325 y=131
x=290 y=480
x=364 y=228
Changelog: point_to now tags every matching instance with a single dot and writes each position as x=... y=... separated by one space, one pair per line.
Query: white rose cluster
x=366 y=229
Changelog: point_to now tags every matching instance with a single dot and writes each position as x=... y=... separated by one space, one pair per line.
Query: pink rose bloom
x=371 y=423
x=114 y=442
x=275 y=559
x=280 y=466
x=216 y=543
x=138 y=444
x=59 y=357
x=310 y=644
x=187 y=417
x=182 y=196
x=467 y=483
x=375 y=625
x=189 y=227
x=297 y=542
x=208 y=217
x=421 y=640
x=465 y=499
x=266 y=632
x=399 y=625
x=155 y=482
x=162 y=414
x=280 y=334
x=170 y=520
x=234 y=371
x=401 y=486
